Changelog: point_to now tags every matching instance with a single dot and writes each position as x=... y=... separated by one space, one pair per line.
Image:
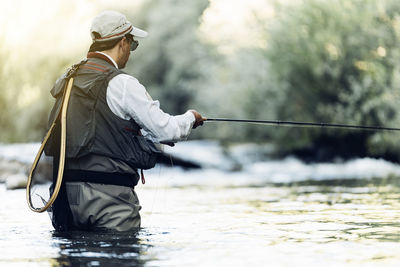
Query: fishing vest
x=94 y=132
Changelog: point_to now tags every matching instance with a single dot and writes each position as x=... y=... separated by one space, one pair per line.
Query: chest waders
x=61 y=118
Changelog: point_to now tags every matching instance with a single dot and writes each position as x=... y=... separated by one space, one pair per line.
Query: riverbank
x=238 y=163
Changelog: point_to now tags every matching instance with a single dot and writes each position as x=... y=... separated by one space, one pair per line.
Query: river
x=215 y=218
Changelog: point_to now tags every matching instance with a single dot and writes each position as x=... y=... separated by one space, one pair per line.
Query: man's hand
x=198 y=119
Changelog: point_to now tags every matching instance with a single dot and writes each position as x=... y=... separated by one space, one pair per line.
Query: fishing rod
x=306 y=124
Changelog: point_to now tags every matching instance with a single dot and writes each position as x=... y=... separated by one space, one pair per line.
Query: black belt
x=122 y=179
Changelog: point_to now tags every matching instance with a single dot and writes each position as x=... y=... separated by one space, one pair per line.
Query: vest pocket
x=144 y=153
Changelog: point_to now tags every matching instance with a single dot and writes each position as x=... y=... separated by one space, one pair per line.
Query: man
x=107 y=110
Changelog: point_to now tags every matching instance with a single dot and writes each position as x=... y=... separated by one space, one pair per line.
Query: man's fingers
x=199 y=120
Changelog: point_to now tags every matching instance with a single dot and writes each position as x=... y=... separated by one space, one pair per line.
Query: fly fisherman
x=107 y=110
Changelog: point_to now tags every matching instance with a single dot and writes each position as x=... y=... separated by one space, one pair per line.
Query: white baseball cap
x=110 y=25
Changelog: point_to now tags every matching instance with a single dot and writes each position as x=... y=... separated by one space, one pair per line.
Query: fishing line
x=157 y=188
x=155 y=194
x=305 y=124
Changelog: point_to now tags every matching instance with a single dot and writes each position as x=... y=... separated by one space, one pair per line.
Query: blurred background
x=307 y=60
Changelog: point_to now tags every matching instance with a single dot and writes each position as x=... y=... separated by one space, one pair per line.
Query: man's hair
x=101 y=46
x=106 y=45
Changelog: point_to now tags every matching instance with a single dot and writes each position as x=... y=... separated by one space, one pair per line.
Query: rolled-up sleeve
x=127 y=98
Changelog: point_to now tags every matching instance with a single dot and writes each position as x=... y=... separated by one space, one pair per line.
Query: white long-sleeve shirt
x=128 y=99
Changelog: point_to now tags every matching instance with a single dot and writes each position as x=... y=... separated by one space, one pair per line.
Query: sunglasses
x=133 y=42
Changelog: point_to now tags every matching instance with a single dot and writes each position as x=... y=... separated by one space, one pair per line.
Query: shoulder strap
x=63 y=117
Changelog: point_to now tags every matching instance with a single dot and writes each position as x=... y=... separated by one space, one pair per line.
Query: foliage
x=325 y=61
x=5 y=120
x=169 y=63
x=336 y=62
x=24 y=99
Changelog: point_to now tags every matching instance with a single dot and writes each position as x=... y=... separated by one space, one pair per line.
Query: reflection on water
x=98 y=249
x=336 y=223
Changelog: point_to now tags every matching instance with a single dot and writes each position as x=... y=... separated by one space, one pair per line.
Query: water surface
x=219 y=222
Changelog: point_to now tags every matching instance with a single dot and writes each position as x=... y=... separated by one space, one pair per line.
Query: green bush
x=337 y=61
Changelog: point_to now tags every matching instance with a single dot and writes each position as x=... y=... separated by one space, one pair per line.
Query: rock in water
x=16 y=181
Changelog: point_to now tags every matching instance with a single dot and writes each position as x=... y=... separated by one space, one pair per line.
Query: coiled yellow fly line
x=62 y=153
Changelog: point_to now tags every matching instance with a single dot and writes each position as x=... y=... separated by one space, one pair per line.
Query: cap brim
x=138 y=32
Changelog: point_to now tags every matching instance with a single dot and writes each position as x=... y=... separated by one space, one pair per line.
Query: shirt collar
x=110 y=58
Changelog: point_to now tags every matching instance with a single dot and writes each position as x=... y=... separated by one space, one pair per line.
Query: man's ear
x=124 y=39
x=121 y=43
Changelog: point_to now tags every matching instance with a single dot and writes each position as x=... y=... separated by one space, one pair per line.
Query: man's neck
x=109 y=57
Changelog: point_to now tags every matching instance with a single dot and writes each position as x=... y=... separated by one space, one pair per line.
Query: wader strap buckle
x=142 y=176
